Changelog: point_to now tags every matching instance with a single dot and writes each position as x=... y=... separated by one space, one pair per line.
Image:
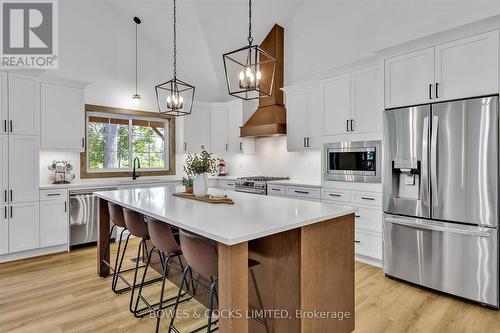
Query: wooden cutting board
x=226 y=200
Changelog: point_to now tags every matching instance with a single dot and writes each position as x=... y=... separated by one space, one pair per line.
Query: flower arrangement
x=188 y=183
x=197 y=164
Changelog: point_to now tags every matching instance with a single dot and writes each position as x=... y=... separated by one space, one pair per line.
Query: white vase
x=200 y=185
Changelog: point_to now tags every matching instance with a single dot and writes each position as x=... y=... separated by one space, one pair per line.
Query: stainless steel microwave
x=352 y=161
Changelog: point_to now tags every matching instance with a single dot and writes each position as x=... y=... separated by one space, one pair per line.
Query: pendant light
x=136 y=98
x=175 y=97
x=250 y=69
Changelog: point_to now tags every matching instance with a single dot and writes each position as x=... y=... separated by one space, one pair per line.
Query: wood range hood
x=270 y=117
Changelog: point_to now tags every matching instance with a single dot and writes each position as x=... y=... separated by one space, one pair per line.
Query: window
x=115 y=139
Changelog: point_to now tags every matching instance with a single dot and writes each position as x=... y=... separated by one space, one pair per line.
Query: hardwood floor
x=62 y=293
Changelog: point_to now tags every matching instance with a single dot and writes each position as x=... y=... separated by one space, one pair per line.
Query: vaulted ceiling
x=206 y=29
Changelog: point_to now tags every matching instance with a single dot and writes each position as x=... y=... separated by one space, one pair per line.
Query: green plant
x=199 y=163
x=188 y=182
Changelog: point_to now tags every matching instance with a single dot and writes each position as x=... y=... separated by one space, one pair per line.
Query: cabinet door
x=4 y=106
x=24 y=105
x=24 y=227
x=62 y=105
x=53 y=223
x=234 y=122
x=336 y=104
x=314 y=113
x=218 y=130
x=296 y=123
x=366 y=108
x=23 y=168
x=4 y=229
x=4 y=171
x=467 y=67
x=409 y=79
x=196 y=129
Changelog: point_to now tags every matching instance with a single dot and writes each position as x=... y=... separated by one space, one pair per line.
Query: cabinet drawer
x=54 y=195
x=303 y=192
x=368 y=219
x=226 y=184
x=276 y=190
x=336 y=195
x=368 y=244
x=367 y=199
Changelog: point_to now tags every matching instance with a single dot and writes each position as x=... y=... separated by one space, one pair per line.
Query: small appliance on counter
x=257 y=185
x=61 y=172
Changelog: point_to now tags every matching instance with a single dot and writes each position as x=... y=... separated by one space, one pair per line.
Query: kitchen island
x=306 y=250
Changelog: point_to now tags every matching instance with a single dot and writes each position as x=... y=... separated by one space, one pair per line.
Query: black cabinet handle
x=5 y=195
x=357 y=215
x=185 y=146
x=275 y=189
x=11 y=195
x=241 y=147
x=65 y=207
x=437 y=90
x=368 y=198
x=357 y=241
x=430 y=91
x=11 y=126
x=308 y=143
x=302 y=192
x=334 y=195
x=11 y=212
x=226 y=146
x=305 y=142
x=352 y=125
x=53 y=194
x=5 y=212
x=5 y=125
x=347 y=125
x=83 y=142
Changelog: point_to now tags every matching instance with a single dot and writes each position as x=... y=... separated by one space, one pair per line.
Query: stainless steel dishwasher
x=83 y=215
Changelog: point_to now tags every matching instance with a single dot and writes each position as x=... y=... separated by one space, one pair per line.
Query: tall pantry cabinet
x=19 y=161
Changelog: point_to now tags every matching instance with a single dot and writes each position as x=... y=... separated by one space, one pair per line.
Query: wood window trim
x=112 y=110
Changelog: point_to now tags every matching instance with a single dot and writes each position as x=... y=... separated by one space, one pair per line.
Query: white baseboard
x=368 y=260
x=33 y=253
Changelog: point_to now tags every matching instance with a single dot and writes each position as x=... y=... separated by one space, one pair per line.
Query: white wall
x=324 y=34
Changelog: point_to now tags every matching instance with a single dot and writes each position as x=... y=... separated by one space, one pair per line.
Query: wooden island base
x=308 y=269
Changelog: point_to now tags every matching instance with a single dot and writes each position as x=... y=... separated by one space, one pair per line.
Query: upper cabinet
x=352 y=102
x=62 y=104
x=463 y=68
x=218 y=129
x=304 y=108
x=24 y=105
x=4 y=107
x=196 y=129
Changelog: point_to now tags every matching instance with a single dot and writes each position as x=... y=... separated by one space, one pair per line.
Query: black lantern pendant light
x=250 y=69
x=175 y=97
x=136 y=98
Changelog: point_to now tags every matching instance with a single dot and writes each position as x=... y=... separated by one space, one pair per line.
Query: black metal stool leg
x=106 y=251
x=139 y=250
x=118 y=254
x=259 y=298
x=119 y=269
x=213 y=291
x=139 y=294
x=176 y=306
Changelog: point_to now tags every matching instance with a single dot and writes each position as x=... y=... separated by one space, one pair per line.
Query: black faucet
x=135 y=175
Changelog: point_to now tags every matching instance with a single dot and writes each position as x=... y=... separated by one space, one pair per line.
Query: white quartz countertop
x=111 y=182
x=251 y=217
x=293 y=182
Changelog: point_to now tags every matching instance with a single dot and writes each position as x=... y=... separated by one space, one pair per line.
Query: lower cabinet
x=53 y=222
x=226 y=184
x=24 y=226
x=4 y=230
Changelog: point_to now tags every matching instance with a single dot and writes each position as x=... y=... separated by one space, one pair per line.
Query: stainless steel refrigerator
x=441 y=197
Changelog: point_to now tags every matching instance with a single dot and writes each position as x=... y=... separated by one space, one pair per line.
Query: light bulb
x=248 y=71
x=258 y=75
x=242 y=75
x=181 y=100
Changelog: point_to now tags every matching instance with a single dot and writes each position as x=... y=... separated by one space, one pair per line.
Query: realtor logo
x=29 y=34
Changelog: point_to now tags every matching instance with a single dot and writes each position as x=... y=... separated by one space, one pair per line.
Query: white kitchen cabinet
x=276 y=190
x=467 y=67
x=4 y=165
x=62 y=105
x=336 y=104
x=226 y=184
x=368 y=244
x=409 y=78
x=196 y=129
x=4 y=229
x=235 y=143
x=53 y=218
x=24 y=226
x=4 y=106
x=296 y=131
x=314 y=115
x=24 y=105
x=366 y=101
x=23 y=168
x=218 y=130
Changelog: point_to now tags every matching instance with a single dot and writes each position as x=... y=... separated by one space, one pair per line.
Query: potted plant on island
x=188 y=183
x=199 y=166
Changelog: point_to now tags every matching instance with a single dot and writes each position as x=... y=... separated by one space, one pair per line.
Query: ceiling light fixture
x=250 y=69
x=175 y=97
x=136 y=98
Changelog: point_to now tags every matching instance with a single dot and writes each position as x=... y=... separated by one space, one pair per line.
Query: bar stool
x=202 y=257
x=117 y=219
x=163 y=237
x=137 y=227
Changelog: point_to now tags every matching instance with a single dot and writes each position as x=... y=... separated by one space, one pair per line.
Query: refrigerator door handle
x=424 y=190
x=479 y=232
x=434 y=184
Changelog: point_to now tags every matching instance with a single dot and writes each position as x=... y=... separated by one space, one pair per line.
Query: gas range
x=257 y=185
